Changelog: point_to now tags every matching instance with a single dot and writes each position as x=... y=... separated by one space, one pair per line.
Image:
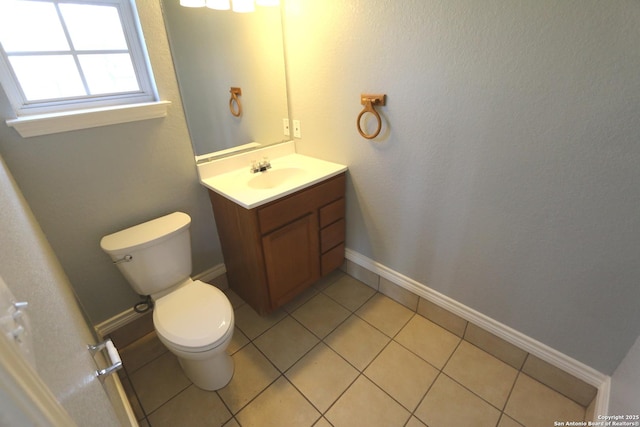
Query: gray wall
x=85 y=184
x=506 y=177
x=507 y=173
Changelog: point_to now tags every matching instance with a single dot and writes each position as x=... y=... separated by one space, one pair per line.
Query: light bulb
x=192 y=3
x=243 y=6
x=218 y=4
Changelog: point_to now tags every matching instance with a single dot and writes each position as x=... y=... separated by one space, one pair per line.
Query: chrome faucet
x=260 y=166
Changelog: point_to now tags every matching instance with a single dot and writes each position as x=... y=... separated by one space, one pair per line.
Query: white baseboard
x=119 y=320
x=528 y=344
x=602 y=398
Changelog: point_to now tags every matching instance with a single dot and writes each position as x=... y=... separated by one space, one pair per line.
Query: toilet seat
x=194 y=318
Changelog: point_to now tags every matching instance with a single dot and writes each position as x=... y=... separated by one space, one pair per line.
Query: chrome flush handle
x=126 y=258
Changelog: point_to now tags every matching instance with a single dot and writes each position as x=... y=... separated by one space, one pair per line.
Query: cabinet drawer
x=332 y=235
x=332 y=259
x=281 y=212
x=332 y=212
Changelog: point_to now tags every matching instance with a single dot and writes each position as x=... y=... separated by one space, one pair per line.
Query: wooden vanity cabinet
x=275 y=251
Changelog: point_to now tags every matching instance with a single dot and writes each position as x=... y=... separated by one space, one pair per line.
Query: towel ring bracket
x=237 y=110
x=370 y=101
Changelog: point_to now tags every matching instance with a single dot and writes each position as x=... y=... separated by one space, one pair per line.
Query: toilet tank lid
x=145 y=234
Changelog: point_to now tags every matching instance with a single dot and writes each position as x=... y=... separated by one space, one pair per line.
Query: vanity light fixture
x=241 y=6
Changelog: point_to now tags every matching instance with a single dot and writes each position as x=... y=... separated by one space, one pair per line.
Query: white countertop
x=289 y=173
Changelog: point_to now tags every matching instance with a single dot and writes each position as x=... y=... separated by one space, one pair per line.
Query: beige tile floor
x=342 y=355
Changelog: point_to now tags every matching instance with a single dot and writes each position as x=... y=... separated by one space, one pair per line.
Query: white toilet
x=193 y=319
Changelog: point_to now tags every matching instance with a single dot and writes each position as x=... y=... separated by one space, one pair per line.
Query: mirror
x=215 y=50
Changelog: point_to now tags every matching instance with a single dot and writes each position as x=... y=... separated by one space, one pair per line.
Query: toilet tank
x=152 y=256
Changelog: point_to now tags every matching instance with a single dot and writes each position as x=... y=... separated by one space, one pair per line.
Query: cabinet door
x=292 y=258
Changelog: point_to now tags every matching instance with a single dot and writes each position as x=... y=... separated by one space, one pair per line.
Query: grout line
x=413 y=413
x=386 y=392
x=226 y=406
x=332 y=330
x=509 y=397
x=466 y=326
x=256 y=396
x=344 y=306
x=166 y=401
x=416 y=354
x=322 y=414
x=268 y=328
x=343 y=393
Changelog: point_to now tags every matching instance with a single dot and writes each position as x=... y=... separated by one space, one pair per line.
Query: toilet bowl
x=195 y=322
x=193 y=319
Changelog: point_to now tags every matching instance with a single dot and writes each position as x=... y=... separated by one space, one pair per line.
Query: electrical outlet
x=285 y=127
x=297 y=133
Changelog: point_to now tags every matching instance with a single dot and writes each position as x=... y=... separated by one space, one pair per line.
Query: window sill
x=45 y=124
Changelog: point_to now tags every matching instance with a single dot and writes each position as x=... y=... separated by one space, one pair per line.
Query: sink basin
x=290 y=172
x=272 y=178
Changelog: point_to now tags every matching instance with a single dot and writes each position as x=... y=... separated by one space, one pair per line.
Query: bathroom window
x=64 y=55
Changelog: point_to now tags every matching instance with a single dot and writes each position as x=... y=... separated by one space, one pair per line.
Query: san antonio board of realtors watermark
x=604 y=421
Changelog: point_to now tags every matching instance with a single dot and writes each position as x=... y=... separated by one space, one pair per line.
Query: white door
x=50 y=378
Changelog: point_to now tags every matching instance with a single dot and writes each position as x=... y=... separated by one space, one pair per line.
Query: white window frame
x=60 y=115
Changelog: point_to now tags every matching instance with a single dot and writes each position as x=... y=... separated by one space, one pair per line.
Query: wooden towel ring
x=369 y=102
x=235 y=91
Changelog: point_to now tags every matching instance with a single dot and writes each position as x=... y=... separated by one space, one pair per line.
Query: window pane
x=86 y=53
x=93 y=27
x=47 y=77
x=109 y=73
x=30 y=26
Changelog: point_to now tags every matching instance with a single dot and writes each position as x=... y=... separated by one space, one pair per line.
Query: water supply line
x=145 y=305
